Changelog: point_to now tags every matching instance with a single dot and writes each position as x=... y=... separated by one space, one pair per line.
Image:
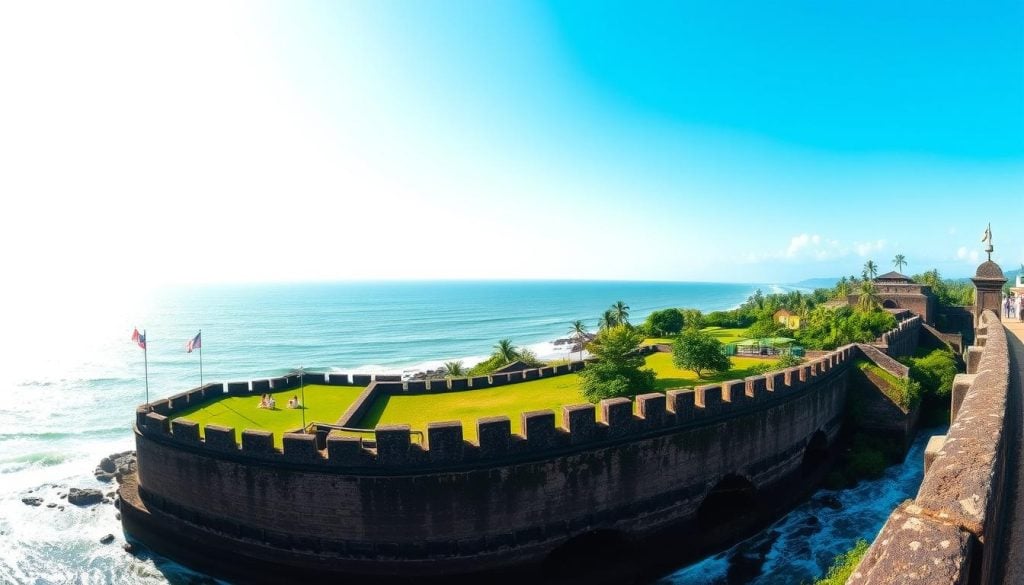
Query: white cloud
x=864 y=249
x=969 y=256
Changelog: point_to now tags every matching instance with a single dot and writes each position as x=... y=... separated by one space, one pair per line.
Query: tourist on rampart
x=293 y=402
x=1020 y=307
x=265 y=401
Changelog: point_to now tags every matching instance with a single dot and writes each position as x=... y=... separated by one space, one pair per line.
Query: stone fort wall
x=951 y=531
x=450 y=505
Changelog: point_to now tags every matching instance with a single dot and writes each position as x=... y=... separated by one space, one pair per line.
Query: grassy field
x=323 y=404
x=669 y=376
x=512 y=400
x=468 y=406
x=723 y=335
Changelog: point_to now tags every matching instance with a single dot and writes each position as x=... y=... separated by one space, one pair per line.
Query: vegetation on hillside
x=504 y=354
x=844 y=565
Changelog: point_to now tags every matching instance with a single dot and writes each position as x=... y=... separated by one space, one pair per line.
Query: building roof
x=894 y=276
x=989 y=269
x=783 y=312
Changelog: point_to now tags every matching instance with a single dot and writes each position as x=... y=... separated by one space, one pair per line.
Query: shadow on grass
x=663 y=384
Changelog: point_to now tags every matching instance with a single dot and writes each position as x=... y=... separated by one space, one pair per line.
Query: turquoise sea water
x=68 y=395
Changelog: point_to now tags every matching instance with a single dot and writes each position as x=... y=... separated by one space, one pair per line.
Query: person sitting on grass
x=271 y=403
x=293 y=402
x=264 y=401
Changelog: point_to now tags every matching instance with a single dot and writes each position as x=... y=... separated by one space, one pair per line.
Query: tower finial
x=987 y=237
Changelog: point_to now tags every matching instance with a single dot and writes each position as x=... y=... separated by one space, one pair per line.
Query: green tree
x=665 y=322
x=607 y=320
x=692 y=318
x=621 y=312
x=505 y=352
x=454 y=369
x=870 y=270
x=617 y=369
x=699 y=351
x=868 y=299
x=899 y=262
x=578 y=332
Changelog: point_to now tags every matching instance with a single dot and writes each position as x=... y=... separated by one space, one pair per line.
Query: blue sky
x=713 y=141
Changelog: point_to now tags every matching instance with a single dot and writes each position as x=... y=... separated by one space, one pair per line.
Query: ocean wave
x=41 y=459
x=56 y=436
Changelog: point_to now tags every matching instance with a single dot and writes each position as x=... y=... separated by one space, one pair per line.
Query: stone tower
x=988 y=289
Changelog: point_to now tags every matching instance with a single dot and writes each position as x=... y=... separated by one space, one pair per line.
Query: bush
x=935 y=371
x=785 y=361
x=844 y=565
x=663 y=323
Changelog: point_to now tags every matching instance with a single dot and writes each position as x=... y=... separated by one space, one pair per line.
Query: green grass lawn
x=468 y=406
x=723 y=335
x=514 y=399
x=669 y=376
x=323 y=404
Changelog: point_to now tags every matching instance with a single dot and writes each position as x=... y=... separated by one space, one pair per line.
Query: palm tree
x=578 y=331
x=453 y=369
x=899 y=262
x=870 y=270
x=607 y=320
x=506 y=351
x=621 y=311
x=868 y=300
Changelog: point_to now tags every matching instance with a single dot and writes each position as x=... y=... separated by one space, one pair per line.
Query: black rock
x=128 y=548
x=60 y=508
x=32 y=501
x=107 y=464
x=107 y=539
x=831 y=502
x=51 y=505
x=105 y=477
x=85 y=497
x=118 y=516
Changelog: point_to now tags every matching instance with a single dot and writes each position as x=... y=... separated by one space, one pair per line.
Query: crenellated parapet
x=903 y=339
x=398 y=446
x=951 y=531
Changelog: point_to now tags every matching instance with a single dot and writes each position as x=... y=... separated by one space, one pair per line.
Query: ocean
x=71 y=383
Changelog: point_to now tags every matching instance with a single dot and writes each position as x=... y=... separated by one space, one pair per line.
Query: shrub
x=844 y=565
x=699 y=351
x=616 y=369
x=935 y=371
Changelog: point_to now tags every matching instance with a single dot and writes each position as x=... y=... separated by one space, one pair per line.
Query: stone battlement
x=951 y=531
x=443 y=445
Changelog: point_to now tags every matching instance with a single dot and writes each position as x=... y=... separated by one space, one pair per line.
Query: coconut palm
x=506 y=351
x=621 y=311
x=899 y=262
x=870 y=270
x=607 y=320
x=454 y=368
x=868 y=300
x=578 y=331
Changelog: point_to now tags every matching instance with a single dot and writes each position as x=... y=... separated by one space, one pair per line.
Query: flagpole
x=200 y=357
x=145 y=360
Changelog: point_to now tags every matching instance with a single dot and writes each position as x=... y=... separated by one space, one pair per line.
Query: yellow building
x=787 y=319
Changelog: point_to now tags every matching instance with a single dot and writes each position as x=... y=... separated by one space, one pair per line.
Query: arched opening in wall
x=732 y=498
x=889 y=304
x=816 y=451
x=599 y=552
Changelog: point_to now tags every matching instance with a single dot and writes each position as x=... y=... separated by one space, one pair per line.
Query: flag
x=194 y=343
x=139 y=338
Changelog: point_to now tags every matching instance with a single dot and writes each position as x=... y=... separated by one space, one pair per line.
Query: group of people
x=1013 y=308
x=267 y=401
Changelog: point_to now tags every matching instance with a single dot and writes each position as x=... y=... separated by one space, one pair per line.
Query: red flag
x=139 y=338
x=194 y=343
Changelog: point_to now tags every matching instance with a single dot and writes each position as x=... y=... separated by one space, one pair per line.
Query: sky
x=194 y=142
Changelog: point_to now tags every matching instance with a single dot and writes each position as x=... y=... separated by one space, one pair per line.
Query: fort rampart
x=950 y=532
x=450 y=506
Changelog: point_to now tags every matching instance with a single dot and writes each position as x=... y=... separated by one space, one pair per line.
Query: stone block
x=238 y=388
x=709 y=398
x=458 y=383
x=300 y=447
x=140 y=417
x=260 y=386
x=213 y=391
x=499 y=379
x=178 y=401
x=345 y=451
x=680 y=404
x=806 y=372
x=416 y=386
x=185 y=430
x=387 y=378
x=494 y=434
x=256 y=441
x=757 y=388
x=157 y=423
x=195 y=397
x=775 y=381
x=514 y=377
x=973 y=358
x=931 y=451
x=531 y=374
x=444 y=441
x=546 y=371
x=221 y=438
x=961 y=385
x=791 y=377
x=334 y=379
x=561 y=369
x=734 y=392
x=539 y=429
x=279 y=383
x=439 y=385
x=651 y=409
x=161 y=407
x=393 y=444
x=580 y=422
x=314 y=378
x=361 y=379
x=618 y=416
x=576 y=366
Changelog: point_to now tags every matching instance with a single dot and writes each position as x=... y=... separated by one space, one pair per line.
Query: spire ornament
x=987 y=237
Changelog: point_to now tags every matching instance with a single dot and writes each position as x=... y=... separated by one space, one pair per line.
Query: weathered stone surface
x=107 y=539
x=85 y=497
x=32 y=501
